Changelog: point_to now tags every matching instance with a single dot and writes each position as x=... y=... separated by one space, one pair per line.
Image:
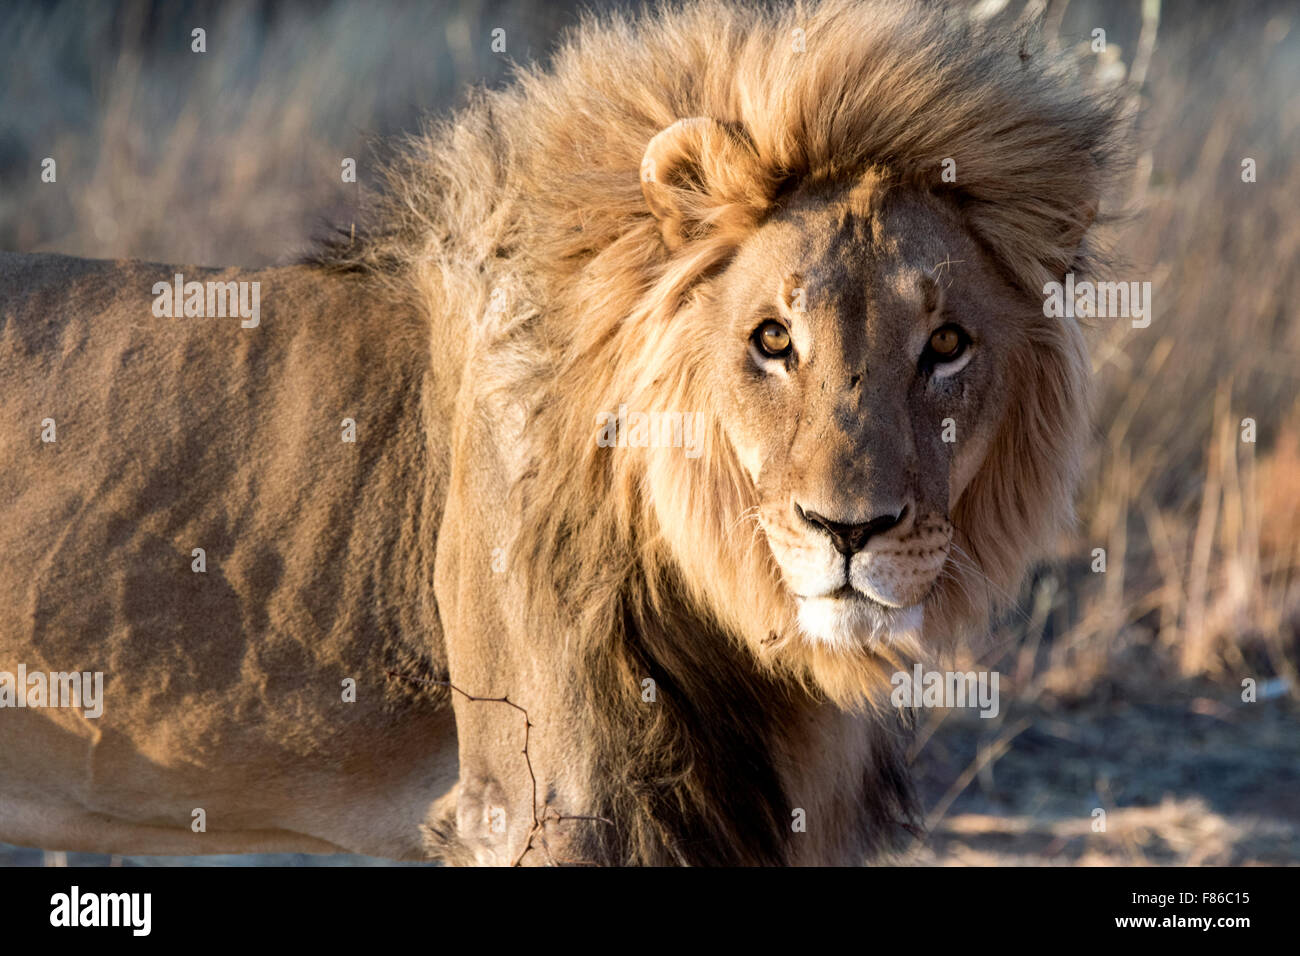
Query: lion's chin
x=855 y=622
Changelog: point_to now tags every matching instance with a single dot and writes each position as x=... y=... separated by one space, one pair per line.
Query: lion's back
x=182 y=508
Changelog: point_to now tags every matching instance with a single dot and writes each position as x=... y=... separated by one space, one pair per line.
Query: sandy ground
x=1186 y=774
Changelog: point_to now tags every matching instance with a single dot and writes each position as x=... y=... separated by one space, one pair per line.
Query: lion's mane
x=532 y=193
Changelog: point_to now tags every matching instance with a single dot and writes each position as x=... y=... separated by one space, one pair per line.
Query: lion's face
x=861 y=355
x=889 y=403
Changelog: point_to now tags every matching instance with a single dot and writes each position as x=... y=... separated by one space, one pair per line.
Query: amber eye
x=772 y=339
x=947 y=343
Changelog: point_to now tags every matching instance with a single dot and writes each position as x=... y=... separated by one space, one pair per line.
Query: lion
x=580 y=508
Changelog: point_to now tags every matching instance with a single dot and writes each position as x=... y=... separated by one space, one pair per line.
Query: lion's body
x=515 y=287
x=223 y=688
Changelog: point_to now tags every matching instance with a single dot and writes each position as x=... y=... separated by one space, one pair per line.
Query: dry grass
x=1201 y=527
x=1123 y=690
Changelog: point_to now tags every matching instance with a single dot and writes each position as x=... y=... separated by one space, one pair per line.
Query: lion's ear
x=691 y=171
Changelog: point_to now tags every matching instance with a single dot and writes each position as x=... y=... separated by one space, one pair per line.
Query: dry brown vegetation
x=1121 y=691
x=1127 y=686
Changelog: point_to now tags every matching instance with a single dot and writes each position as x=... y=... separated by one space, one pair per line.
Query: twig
x=538 y=822
x=985 y=756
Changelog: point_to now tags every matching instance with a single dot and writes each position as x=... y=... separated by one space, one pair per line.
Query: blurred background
x=1122 y=691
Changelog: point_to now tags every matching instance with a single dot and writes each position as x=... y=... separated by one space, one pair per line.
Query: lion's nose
x=849 y=539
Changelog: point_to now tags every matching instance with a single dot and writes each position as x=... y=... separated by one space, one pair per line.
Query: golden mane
x=521 y=229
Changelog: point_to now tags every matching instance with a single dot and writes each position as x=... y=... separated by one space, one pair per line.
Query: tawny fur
x=518 y=239
x=533 y=192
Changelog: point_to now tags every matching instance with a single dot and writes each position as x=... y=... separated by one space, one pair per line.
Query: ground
x=1186 y=773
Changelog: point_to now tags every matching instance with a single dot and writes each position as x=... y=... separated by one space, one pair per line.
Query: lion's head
x=816 y=238
x=905 y=421
x=822 y=233
x=835 y=262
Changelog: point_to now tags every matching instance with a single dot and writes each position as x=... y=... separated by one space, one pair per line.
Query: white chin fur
x=853 y=624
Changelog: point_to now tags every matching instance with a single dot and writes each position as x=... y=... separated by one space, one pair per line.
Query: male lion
x=696 y=384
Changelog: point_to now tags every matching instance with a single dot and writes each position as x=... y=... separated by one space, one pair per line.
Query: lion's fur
x=643 y=566
x=534 y=190
x=222 y=689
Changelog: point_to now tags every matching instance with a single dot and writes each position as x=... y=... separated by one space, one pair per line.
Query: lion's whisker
x=976 y=567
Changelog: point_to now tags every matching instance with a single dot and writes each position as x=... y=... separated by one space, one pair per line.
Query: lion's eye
x=947 y=343
x=946 y=352
x=772 y=339
x=947 y=346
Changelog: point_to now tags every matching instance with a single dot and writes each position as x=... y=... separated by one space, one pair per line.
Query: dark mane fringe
x=691 y=779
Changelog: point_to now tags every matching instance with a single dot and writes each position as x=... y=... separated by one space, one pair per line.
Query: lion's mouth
x=849 y=619
x=845 y=592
